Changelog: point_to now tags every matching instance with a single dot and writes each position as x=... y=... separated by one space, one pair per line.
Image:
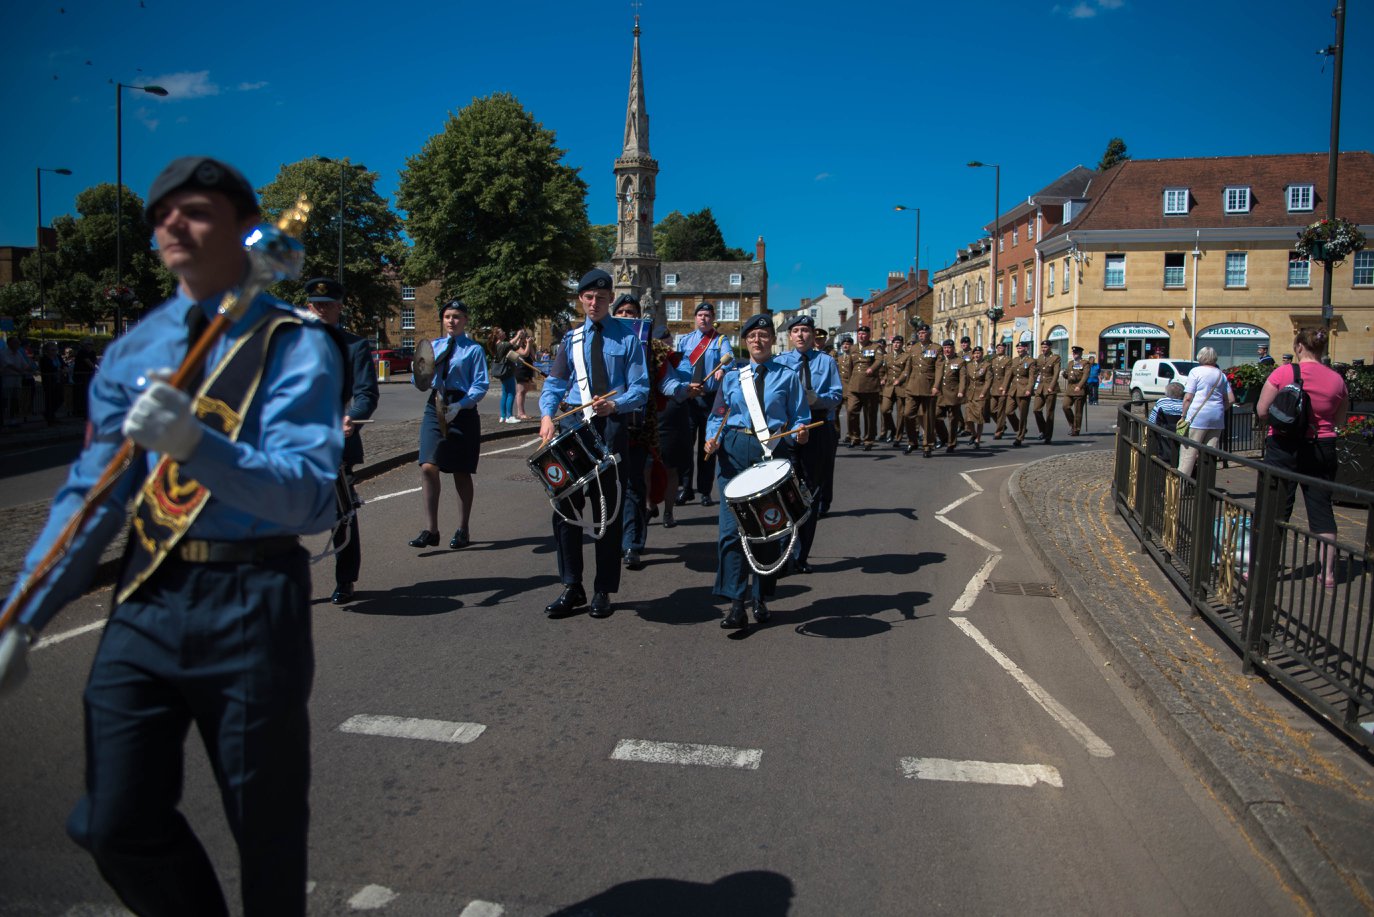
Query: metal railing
x=1258 y=577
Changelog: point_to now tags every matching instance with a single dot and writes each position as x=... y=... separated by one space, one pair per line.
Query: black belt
x=206 y=551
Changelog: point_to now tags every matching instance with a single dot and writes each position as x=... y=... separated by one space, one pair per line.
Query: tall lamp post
x=916 y=304
x=1337 y=53
x=38 y=180
x=996 y=237
x=344 y=166
x=119 y=195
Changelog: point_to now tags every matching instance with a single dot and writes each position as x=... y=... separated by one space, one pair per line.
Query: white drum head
x=758 y=478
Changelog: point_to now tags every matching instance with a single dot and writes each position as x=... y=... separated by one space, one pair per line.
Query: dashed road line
x=981 y=542
x=975 y=585
x=42 y=642
x=405 y=727
x=371 y=898
x=686 y=753
x=981 y=772
x=482 y=909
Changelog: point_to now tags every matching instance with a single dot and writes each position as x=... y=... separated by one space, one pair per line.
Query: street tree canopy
x=495 y=215
x=1116 y=152
x=373 y=248
x=695 y=237
x=604 y=239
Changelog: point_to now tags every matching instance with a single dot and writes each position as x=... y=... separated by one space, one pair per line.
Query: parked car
x=1150 y=377
x=398 y=360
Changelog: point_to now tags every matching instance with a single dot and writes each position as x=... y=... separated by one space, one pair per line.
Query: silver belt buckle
x=195 y=551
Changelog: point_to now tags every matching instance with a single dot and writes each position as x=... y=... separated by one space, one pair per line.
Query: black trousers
x=817 y=459
x=569 y=538
x=348 y=562
x=699 y=462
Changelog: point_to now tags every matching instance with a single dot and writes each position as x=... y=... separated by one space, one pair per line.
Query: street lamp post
x=119 y=195
x=917 y=263
x=38 y=180
x=344 y=165
x=996 y=235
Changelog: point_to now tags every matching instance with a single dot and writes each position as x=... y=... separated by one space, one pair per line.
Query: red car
x=398 y=360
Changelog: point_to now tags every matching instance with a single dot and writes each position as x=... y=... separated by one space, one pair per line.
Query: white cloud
x=1087 y=9
x=249 y=87
x=1082 y=11
x=185 y=85
x=1111 y=4
x=822 y=176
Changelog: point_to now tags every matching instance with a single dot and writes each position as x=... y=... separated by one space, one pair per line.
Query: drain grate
x=1044 y=590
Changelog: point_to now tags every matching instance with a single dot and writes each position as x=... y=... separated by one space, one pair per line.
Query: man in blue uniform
x=597 y=358
x=820 y=379
x=450 y=431
x=211 y=623
x=705 y=352
x=324 y=296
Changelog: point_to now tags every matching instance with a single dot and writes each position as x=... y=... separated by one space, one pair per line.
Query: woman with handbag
x=500 y=349
x=1207 y=397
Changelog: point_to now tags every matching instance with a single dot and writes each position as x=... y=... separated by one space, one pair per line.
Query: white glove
x=14 y=662
x=161 y=420
x=451 y=412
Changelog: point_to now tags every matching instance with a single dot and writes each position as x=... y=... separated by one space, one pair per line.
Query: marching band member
x=460 y=381
x=731 y=433
x=820 y=379
x=596 y=358
x=705 y=351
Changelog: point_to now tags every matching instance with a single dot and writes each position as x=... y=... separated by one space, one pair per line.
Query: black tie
x=758 y=382
x=600 y=384
x=196 y=323
x=806 y=371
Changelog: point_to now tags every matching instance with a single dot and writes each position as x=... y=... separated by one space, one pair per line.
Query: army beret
x=820 y=332
x=864 y=328
x=453 y=304
x=595 y=279
x=801 y=321
x=207 y=174
x=947 y=342
x=757 y=321
x=1045 y=343
x=324 y=289
x=978 y=349
x=965 y=340
x=1023 y=343
x=898 y=339
x=705 y=307
x=1076 y=349
x=624 y=298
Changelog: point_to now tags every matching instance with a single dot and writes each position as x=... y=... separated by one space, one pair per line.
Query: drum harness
x=584 y=389
x=760 y=424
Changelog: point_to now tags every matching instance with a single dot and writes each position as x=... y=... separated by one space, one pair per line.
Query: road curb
x=1250 y=795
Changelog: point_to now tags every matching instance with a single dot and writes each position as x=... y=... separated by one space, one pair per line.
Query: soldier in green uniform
x=1020 y=385
x=863 y=389
x=976 y=387
x=846 y=364
x=1076 y=389
x=999 y=374
x=949 y=395
x=1046 y=390
x=918 y=383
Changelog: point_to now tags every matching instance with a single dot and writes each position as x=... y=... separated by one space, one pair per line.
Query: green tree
x=374 y=251
x=495 y=214
x=604 y=236
x=17 y=302
x=696 y=237
x=1116 y=152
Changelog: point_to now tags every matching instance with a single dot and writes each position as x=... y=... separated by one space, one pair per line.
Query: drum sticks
x=594 y=401
x=807 y=426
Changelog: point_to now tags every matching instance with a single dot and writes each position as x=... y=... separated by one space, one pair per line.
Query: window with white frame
x=1114 y=274
x=1299 y=198
x=1238 y=199
x=1013 y=289
x=1363 y=275
x=1050 y=290
x=407 y=293
x=1175 y=269
x=727 y=310
x=672 y=310
x=1299 y=270
x=1175 y=201
x=670 y=280
x=1066 y=277
x=966 y=292
x=982 y=290
x=999 y=293
x=1015 y=235
x=1235 y=269
x=1000 y=237
x=408 y=341
x=940 y=302
x=736 y=279
x=408 y=318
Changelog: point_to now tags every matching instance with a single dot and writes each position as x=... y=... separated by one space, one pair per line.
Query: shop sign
x=1059 y=333
x=1135 y=331
x=1235 y=331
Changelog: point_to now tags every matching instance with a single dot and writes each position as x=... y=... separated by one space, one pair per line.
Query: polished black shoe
x=868 y=447
x=632 y=560
x=801 y=566
x=707 y=501
x=1017 y=444
x=926 y=453
x=911 y=447
x=426 y=539
x=668 y=519
x=761 y=612
x=459 y=539
x=601 y=606
x=343 y=594
x=736 y=618
x=573 y=598
x=684 y=497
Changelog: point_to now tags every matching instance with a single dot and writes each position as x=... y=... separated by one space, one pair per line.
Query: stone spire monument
x=637 y=267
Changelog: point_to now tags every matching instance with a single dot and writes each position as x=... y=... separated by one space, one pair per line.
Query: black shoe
x=761 y=612
x=601 y=605
x=668 y=519
x=653 y=511
x=801 y=566
x=911 y=447
x=343 y=594
x=459 y=539
x=707 y=501
x=426 y=539
x=1017 y=444
x=926 y=453
x=573 y=598
x=632 y=561
x=736 y=618
x=684 y=497
x=868 y=447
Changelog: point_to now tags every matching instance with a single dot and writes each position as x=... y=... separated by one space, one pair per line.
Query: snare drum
x=571 y=461
x=769 y=500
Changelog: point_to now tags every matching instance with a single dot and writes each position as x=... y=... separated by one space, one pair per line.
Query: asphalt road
x=901 y=739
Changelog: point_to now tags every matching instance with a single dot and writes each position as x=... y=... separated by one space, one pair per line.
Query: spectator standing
x=500 y=349
x=50 y=369
x=1094 y=378
x=522 y=358
x=1167 y=412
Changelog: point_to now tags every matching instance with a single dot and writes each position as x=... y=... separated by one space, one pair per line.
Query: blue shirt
x=467 y=370
x=825 y=377
x=277 y=478
x=784 y=402
x=718 y=352
x=626 y=371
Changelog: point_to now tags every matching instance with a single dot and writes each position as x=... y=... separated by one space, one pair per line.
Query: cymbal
x=422 y=367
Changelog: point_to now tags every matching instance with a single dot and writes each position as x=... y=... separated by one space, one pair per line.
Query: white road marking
x=980 y=772
x=994 y=468
x=406 y=727
x=67 y=634
x=971 y=482
x=482 y=909
x=981 y=542
x=686 y=753
x=371 y=898
x=975 y=585
x=1075 y=727
x=416 y=490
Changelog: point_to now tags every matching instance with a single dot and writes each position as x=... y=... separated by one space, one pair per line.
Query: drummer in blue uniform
x=730 y=434
x=600 y=367
x=452 y=446
x=820 y=378
x=706 y=351
x=211 y=620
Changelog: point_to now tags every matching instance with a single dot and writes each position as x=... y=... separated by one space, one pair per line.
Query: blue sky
x=803 y=122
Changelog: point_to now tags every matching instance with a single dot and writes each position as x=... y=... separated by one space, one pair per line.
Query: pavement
x=1300 y=793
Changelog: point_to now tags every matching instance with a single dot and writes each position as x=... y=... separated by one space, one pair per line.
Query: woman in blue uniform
x=735 y=434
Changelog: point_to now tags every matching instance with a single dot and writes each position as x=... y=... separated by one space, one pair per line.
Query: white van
x=1150 y=377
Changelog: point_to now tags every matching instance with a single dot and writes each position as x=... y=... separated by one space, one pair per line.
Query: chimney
x=758 y=253
x=894 y=278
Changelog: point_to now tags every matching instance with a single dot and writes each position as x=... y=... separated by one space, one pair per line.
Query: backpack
x=1291 y=411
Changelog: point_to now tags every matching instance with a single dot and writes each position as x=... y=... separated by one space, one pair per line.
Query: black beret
x=208 y=174
x=324 y=289
x=1045 y=343
x=898 y=339
x=801 y=321
x=978 y=349
x=625 y=298
x=705 y=307
x=761 y=320
x=864 y=328
x=1076 y=349
x=595 y=279
x=453 y=304
x=947 y=342
x=1023 y=343
x=965 y=340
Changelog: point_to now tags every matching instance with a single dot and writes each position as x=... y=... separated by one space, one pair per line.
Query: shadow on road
x=742 y=894
x=441 y=596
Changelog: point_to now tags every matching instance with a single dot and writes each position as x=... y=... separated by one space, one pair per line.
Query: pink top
x=1325 y=392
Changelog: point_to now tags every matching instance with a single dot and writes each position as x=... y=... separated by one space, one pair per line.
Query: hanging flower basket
x=1330 y=240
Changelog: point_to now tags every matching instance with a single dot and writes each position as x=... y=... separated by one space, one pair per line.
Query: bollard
x=383 y=370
